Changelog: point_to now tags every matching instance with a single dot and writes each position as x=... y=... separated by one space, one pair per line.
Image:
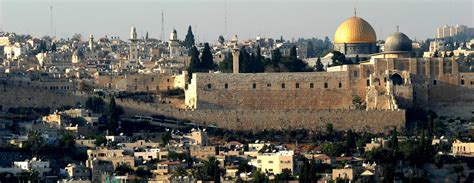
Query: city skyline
x=313 y=18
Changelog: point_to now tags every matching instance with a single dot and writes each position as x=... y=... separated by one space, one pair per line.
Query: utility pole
x=162 y=25
x=51 y=16
x=225 y=18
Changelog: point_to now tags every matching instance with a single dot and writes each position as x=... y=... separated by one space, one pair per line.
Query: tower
x=235 y=55
x=134 y=49
x=235 y=61
x=91 y=42
x=162 y=25
x=174 y=44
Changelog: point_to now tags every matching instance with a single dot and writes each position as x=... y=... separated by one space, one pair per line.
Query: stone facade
x=136 y=82
x=277 y=119
x=323 y=90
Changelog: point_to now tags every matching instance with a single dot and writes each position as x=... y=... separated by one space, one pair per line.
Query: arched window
x=396 y=79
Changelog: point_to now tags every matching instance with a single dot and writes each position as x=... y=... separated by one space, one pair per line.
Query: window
x=283 y=85
x=368 y=82
x=435 y=82
x=269 y=85
x=472 y=83
x=311 y=85
x=152 y=78
x=462 y=82
x=355 y=74
x=297 y=85
x=209 y=86
x=340 y=85
x=271 y=162
x=254 y=86
x=325 y=85
x=226 y=86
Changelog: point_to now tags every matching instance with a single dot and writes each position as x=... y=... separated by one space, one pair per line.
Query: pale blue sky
x=247 y=18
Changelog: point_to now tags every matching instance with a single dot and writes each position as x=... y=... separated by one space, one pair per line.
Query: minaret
x=133 y=58
x=235 y=55
x=173 y=43
x=91 y=42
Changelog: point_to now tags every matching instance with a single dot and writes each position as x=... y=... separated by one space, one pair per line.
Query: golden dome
x=355 y=30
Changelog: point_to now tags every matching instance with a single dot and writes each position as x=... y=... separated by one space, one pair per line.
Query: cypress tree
x=194 y=64
x=259 y=66
x=226 y=65
x=319 y=67
x=189 y=40
x=207 y=61
x=293 y=53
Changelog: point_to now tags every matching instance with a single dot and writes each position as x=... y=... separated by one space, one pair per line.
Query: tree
x=350 y=140
x=258 y=177
x=310 y=50
x=53 y=47
x=284 y=176
x=357 y=102
x=207 y=62
x=165 y=138
x=114 y=115
x=394 y=140
x=35 y=142
x=123 y=169
x=338 y=58
x=258 y=61
x=293 y=53
x=96 y=104
x=180 y=171
x=76 y=37
x=100 y=140
x=67 y=141
x=189 y=40
x=357 y=59
x=142 y=173
x=221 y=39
x=276 y=59
x=319 y=67
x=245 y=61
x=307 y=172
x=227 y=64
x=195 y=63
x=210 y=170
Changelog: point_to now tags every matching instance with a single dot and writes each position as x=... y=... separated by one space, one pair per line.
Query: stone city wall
x=256 y=120
x=325 y=90
x=13 y=96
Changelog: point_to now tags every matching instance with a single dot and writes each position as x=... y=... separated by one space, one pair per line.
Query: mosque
x=388 y=80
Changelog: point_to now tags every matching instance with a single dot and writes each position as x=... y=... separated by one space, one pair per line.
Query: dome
x=355 y=30
x=398 y=42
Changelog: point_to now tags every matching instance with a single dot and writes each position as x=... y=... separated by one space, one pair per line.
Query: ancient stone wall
x=136 y=82
x=256 y=120
x=12 y=96
x=325 y=90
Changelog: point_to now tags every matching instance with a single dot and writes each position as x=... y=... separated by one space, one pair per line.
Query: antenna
x=162 y=25
x=51 y=13
x=398 y=28
x=355 y=12
x=225 y=18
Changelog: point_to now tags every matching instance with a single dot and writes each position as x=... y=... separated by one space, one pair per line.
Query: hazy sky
x=246 y=18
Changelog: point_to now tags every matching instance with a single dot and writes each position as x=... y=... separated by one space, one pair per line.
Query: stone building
x=355 y=37
x=390 y=80
x=387 y=80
